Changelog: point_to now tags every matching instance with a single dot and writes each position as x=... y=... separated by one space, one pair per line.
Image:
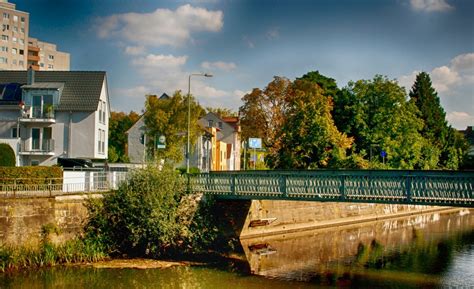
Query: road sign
x=161 y=144
x=255 y=143
x=383 y=154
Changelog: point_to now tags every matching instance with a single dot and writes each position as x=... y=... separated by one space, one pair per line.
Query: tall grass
x=48 y=254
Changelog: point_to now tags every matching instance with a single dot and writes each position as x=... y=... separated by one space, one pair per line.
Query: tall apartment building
x=45 y=56
x=18 y=51
x=14 y=37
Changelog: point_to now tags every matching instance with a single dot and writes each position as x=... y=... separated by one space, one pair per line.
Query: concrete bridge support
x=255 y=218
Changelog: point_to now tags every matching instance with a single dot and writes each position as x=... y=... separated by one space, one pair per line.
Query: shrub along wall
x=31 y=175
x=7 y=155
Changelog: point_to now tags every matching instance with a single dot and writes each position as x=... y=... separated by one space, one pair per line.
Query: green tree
x=328 y=85
x=142 y=216
x=119 y=123
x=294 y=121
x=311 y=138
x=168 y=117
x=436 y=128
x=263 y=114
x=7 y=156
x=222 y=112
x=378 y=116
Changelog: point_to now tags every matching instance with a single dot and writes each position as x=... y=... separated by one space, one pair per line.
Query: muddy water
x=429 y=251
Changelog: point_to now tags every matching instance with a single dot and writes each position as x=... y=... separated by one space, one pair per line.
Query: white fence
x=73 y=182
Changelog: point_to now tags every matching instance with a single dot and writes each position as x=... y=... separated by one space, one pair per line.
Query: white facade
x=48 y=132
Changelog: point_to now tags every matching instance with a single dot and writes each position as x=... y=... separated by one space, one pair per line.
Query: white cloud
x=161 y=27
x=135 y=50
x=444 y=78
x=463 y=62
x=221 y=65
x=454 y=83
x=461 y=119
x=430 y=5
x=273 y=33
x=408 y=80
x=130 y=98
x=167 y=73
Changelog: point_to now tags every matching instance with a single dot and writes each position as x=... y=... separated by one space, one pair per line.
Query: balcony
x=33 y=48
x=32 y=57
x=41 y=147
x=36 y=114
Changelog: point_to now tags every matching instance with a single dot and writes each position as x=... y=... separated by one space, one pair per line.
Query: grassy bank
x=48 y=254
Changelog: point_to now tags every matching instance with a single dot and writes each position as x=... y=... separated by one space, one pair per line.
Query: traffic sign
x=161 y=144
x=255 y=143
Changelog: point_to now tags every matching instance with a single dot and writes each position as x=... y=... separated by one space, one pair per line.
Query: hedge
x=31 y=175
x=7 y=155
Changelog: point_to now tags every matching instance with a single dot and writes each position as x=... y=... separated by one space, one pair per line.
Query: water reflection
x=431 y=251
x=402 y=253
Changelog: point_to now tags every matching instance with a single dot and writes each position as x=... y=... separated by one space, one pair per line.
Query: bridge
x=436 y=188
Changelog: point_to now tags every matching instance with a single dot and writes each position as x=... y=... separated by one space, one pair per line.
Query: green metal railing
x=443 y=188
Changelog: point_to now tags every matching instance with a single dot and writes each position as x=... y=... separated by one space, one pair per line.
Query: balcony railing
x=37 y=146
x=37 y=114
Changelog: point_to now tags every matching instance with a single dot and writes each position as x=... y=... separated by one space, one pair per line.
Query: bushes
x=150 y=216
x=141 y=218
x=7 y=156
x=32 y=175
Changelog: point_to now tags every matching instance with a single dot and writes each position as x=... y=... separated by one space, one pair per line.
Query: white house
x=45 y=115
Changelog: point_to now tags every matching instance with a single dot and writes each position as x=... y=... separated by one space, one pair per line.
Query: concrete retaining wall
x=266 y=217
x=22 y=220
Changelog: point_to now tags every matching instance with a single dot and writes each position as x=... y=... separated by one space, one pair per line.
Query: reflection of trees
x=422 y=256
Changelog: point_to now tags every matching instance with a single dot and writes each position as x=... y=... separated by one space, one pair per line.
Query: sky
x=152 y=46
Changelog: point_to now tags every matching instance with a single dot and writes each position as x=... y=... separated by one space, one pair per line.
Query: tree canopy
x=168 y=117
x=379 y=117
x=119 y=123
x=295 y=122
x=436 y=129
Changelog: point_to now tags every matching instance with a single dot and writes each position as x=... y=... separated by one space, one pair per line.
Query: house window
x=22 y=51
x=100 y=111
x=51 y=57
x=22 y=42
x=4 y=37
x=209 y=123
x=6 y=27
x=35 y=163
x=22 y=19
x=103 y=111
x=21 y=63
x=3 y=60
x=15 y=133
x=50 y=66
x=15 y=28
x=14 y=61
x=14 y=50
x=15 y=18
x=41 y=64
x=14 y=39
x=22 y=30
x=3 y=48
x=220 y=124
x=6 y=15
x=101 y=141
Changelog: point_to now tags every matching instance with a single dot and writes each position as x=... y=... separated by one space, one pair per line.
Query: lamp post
x=189 y=116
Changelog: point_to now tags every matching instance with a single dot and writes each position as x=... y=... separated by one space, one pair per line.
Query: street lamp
x=189 y=115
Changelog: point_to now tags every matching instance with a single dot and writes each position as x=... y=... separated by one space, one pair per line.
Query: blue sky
x=151 y=46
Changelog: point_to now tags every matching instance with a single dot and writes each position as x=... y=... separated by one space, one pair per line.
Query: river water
x=427 y=251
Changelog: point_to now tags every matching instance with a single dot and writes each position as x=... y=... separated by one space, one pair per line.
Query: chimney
x=30 y=76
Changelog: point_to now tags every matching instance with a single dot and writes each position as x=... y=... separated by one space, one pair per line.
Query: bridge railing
x=404 y=187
